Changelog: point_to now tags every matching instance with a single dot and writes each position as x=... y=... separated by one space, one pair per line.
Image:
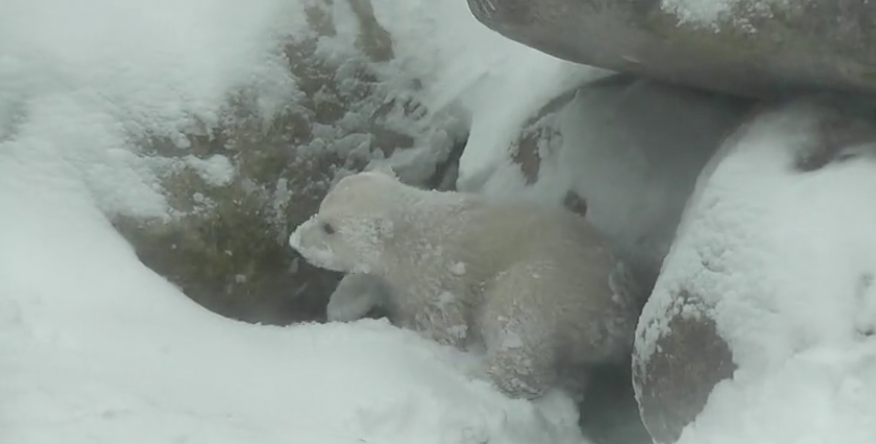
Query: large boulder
x=750 y=47
x=629 y=149
x=237 y=187
x=773 y=260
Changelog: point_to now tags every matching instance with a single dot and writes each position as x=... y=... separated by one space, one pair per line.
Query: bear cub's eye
x=327 y=228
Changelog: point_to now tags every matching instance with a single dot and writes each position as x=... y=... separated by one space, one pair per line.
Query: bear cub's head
x=350 y=231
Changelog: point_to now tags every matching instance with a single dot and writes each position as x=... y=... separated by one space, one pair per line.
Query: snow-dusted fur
x=355 y=296
x=536 y=286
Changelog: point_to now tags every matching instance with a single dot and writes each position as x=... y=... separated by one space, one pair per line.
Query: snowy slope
x=95 y=348
x=98 y=349
x=784 y=263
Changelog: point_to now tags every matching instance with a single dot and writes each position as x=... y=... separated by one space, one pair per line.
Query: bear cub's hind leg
x=521 y=352
x=444 y=321
x=519 y=373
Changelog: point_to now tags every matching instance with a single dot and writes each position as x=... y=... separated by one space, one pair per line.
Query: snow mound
x=823 y=395
x=96 y=347
x=784 y=262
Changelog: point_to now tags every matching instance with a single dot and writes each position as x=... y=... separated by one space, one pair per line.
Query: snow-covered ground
x=96 y=348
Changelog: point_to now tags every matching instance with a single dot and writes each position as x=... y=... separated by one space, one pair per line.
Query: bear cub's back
x=508 y=232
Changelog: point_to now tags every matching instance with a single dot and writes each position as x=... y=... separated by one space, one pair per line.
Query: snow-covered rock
x=237 y=185
x=630 y=149
x=761 y=326
x=748 y=47
x=624 y=151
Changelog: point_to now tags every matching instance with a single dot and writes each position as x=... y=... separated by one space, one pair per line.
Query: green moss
x=226 y=246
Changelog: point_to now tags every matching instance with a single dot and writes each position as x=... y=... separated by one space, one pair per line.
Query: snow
x=216 y=170
x=783 y=262
x=698 y=10
x=495 y=82
x=709 y=13
x=822 y=395
x=124 y=357
x=97 y=348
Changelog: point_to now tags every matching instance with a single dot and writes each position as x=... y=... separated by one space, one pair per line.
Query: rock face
x=236 y=189
x=725 y=295
x=628 y=149
x=757 y=48
x=673 y=386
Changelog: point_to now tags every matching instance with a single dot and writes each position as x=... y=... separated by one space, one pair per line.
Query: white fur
x=534 y=285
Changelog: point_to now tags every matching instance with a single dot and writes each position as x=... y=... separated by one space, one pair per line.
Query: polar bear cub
x=536 y=286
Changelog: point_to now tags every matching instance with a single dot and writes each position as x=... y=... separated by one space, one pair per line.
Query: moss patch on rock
x=237 y=189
